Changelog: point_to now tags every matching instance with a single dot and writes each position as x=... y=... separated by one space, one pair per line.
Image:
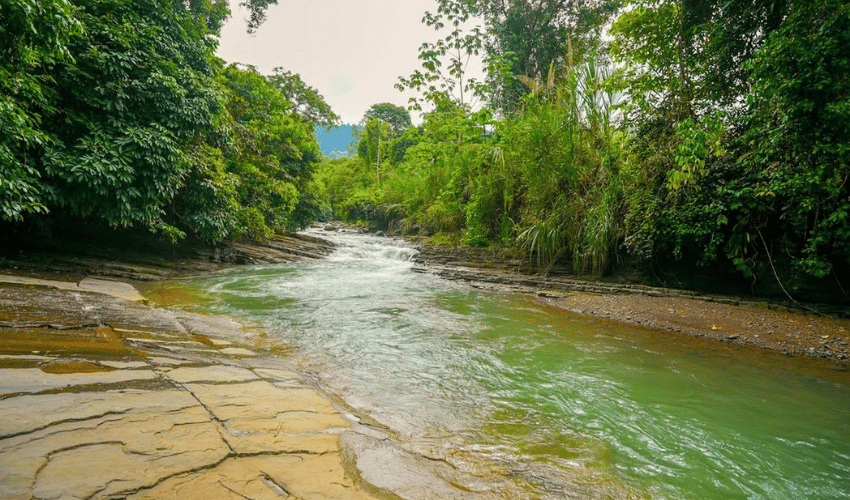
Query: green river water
x=574 y=406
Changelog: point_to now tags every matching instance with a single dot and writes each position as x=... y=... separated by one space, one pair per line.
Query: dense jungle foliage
x=679 y=134
x=711 y=134
x=117 y=113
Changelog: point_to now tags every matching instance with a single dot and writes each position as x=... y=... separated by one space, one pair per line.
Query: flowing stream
x=571 y=404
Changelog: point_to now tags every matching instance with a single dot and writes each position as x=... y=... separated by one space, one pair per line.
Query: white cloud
x=352 y=51
x=339 y=85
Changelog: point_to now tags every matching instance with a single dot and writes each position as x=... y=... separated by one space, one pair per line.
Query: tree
x=797 y=157
x=396 y=117
x=373 y=142
x=394 y=121
x=740 y=118
x=140 y=87
x=256 y=12
x=537 y=36
x=272 y=152
x=305 y=100
x=110 y=112
x=683 y=58
x=441 y=85
x=34 y=37
x=651 y=41
x=519 y=38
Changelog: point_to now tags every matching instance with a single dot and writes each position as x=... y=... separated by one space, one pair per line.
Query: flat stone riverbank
x=104 y=397
x=101 y=397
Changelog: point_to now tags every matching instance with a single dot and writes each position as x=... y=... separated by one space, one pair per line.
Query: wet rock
x=20 y=306
x=164 y=361
x=280 y=375
x=135 y=437
x=88 y=284
x=144 y=263
x=390 y=470
x=34 y=380
x=293 y=476
x=259 y=400
x=216 y=373
x=238 y=351
x=424 y=469
x=174 y=346
x=276 y=249
x=152 y=412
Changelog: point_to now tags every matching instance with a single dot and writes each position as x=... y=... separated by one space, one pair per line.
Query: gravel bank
x=746 y=321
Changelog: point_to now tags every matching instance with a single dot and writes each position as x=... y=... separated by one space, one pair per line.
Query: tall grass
x=546 y=182
x=565 y=149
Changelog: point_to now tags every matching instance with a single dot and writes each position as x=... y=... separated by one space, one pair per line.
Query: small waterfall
x=367 y=249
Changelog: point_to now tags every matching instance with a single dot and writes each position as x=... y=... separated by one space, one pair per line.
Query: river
x=571 y=405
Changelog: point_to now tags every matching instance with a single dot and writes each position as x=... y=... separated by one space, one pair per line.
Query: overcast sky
x=352 y=51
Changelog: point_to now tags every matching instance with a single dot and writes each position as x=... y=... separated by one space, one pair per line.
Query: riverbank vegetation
x=673 y=134
x=694 y=135
x=117 y=114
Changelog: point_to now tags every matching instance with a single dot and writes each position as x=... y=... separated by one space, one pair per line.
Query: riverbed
x=571 y=405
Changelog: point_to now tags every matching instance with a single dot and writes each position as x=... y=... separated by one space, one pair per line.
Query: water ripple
x=577 y=407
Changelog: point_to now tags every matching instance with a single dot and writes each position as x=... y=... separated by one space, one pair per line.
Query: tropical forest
x=425 y=249
x=670 y=137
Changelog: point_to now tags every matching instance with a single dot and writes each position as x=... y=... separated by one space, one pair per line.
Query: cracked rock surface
x=103 y=398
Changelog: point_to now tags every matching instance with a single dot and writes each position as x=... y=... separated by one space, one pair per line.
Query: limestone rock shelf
x=105 y=398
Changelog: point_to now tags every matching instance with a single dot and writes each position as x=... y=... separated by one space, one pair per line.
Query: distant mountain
x=334 y=142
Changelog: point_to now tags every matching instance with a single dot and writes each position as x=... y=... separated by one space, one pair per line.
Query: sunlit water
x=572 y=404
